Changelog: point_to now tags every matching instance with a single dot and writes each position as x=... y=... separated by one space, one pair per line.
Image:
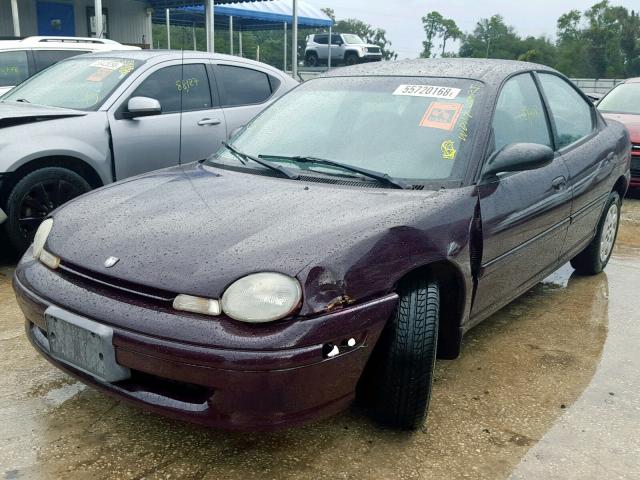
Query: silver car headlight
x=261 y=297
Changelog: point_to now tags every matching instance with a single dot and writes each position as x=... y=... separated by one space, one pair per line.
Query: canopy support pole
x=168 y=20
x=285 y=48
x=231 y=33
x=97 y=11
x=16 y=18
x=210 y=25
x=240 y=42
x=330 y=48
x=193 y=37
x=294 y=41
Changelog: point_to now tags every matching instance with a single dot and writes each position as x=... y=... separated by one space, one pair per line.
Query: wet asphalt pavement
x=549 y=387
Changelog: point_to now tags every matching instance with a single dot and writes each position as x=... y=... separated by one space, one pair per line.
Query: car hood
x=17 y=113
x=196 y=229
x=632 y=122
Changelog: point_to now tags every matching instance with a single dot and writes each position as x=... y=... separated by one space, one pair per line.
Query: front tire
x=34 y=197
x=351 y=59
x=596 y=255
x=403 y=361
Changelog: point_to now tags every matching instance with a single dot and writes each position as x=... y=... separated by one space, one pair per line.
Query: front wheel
x=596 y=255
x=351 y=59
x=401 y=369
x=34 y=197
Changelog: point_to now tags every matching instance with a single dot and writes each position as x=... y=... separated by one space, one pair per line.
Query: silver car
x=97 y=118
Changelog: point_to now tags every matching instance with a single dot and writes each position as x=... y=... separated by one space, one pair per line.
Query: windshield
x=625 y=98
x=14 y=67
x=82 y=83
x=409 y=128
x=350 y=38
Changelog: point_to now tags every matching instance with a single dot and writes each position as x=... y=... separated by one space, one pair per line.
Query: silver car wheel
x=609 y=229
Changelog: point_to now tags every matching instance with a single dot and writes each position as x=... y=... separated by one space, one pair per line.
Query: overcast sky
x=402 y=18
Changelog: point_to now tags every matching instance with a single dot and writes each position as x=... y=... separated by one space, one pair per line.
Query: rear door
x=588 y=153
x=322 y=42
x=525 y=215
x=244 y=92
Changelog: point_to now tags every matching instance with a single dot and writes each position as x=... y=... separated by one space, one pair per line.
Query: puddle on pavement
x=517 y=374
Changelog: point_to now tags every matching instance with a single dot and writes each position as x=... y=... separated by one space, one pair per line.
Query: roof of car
x=67 y=43
x=487 y=70
x=162 y=55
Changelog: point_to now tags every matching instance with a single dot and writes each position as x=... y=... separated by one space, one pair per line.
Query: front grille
x=373 y=50
x=635 y=149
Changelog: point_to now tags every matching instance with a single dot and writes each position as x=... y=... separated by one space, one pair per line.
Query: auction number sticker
x=107 y=64
x=431 y=91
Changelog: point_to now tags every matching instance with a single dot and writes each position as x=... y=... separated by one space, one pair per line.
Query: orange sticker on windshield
x=441 y=115
x=99 y=75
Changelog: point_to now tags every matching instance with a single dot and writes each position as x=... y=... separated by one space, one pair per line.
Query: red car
x=623 y=104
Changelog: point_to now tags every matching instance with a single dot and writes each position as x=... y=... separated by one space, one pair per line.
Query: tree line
x=601 y=42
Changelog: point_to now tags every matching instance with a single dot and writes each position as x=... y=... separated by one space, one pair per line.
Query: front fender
x=85 y=138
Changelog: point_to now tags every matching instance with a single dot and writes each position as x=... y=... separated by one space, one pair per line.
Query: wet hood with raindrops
x=195 y=229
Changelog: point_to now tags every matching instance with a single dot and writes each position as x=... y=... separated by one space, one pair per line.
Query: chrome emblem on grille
x=111 y=261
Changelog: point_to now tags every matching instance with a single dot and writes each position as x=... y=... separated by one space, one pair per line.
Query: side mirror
x=517 y=157
x=142 y=107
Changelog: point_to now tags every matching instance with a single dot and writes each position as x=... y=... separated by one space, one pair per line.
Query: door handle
x=559 y=183
x=209 y=121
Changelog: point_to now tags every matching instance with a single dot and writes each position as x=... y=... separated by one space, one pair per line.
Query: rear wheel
x=34 y=197
x=596 y=255
x=312 y=59
x=400 y=373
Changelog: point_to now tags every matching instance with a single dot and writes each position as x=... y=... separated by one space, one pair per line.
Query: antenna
x=181 y=97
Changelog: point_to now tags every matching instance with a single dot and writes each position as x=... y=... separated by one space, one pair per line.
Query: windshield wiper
x=245 y=156
x=22 y=100
x=379 y=176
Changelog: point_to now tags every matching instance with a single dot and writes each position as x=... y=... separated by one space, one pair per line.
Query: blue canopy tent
x=249 y=16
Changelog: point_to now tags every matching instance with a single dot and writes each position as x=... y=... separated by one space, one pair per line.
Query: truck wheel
x=596 y=255
x=34 y=197
x=351 y=59
x=311 y=59
x=401 y=369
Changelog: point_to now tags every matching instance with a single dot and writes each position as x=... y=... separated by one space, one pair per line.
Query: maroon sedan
x=623 y=104
x=355 y=229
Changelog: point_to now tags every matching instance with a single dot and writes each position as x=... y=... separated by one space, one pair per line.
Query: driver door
x=525 y=215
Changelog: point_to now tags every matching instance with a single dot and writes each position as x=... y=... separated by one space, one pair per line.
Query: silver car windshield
x=80 y=83
x=412 y=128
x=351 y=38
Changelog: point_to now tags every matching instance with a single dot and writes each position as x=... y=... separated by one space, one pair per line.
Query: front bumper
x=281 y=378
x=635 y=171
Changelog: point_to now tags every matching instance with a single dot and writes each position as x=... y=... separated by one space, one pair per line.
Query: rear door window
x=46 y=58
x=321 y=39
x=178 y=84
x=244 y=86
x=14 y=67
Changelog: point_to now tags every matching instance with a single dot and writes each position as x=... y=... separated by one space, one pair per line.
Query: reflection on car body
x=254 y=297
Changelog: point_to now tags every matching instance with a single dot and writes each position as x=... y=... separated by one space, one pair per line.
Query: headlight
x=261 y=297
x=41 y=237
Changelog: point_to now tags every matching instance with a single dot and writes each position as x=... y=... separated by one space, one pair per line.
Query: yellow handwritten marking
x=448 y=150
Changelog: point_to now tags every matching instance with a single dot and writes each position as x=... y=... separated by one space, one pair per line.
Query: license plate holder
x=83 y=344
